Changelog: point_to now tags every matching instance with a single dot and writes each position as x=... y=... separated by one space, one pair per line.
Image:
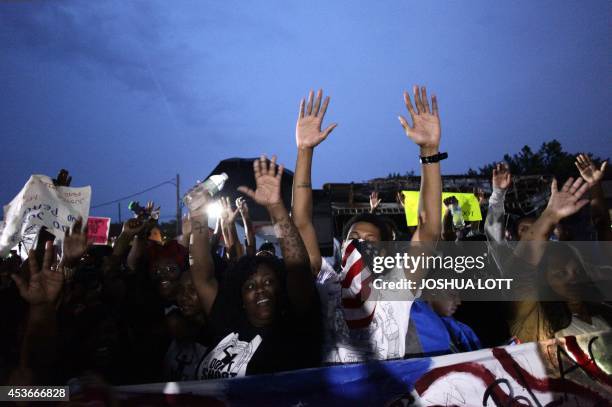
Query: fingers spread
x=279 y=174
x=317 y=105
x=257 y=167
x=403 y=122
x=324 y=108
x=409 y=105
x=310 y=100
x=567 y=185
x=417 y=99
x=424 y=100
x=301 y=112
x=434 y=106
x=49 y=256
x=329 y=130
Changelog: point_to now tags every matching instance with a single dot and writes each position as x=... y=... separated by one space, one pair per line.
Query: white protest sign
x=40 y=203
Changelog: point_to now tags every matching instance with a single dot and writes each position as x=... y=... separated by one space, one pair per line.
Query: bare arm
x=599 y=211
x=562 y=203
x=425 y=132
x=308 y=135
x=248 y=226
x=494 y=222
x=300 y=283
x=202 y=266
x=230 y=235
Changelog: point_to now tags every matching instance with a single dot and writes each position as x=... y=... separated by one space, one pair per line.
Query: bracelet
x=432 y=159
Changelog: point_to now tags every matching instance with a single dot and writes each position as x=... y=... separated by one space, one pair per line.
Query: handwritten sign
x=38 y=204
x=468 y=202
x=97 y=230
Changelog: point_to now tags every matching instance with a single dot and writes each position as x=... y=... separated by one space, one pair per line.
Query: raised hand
x=45 y=283
x=242 y=207
x=501 y=176
x=374 y=201
x=591 y=174
x=75 y=243
x=566 y=202
x=268 y=182
x=308 y=132
x=152 y=210
x=132 y=227
x=425 y=130
x=228 y=215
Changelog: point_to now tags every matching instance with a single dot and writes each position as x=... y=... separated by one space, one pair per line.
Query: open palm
x=566 y=201
x=75 y=243
x=308 y=132
x=425 y=129
x=591 y=174
x=45 y=284
x=268 y=182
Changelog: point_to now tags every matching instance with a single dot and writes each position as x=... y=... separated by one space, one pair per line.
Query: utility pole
x=178 y=206
x=119 y=210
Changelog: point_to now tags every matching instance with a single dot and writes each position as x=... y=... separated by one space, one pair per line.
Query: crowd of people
x=207 y=306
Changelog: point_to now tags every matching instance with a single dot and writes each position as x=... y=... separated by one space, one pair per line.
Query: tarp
x=567 y=371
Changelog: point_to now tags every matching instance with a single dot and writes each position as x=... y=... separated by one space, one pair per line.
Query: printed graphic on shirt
x=182 y=360
x=228 y=359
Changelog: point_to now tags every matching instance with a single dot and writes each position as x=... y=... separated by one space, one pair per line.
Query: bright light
x=214 y=209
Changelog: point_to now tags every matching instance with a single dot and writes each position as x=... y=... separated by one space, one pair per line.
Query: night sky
x=125 y=94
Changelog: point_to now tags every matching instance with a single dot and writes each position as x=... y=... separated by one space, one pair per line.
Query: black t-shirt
x=291 y=342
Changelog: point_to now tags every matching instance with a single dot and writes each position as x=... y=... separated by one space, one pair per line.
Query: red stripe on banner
x=472 y=368
x=347 y=253
x=361 y=323
x=353 y=271
x=586 y=362
x=555 y=385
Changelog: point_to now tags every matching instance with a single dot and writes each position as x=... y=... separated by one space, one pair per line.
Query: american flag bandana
x=358 y=306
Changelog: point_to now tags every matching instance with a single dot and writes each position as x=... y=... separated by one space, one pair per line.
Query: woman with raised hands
x=264 y=315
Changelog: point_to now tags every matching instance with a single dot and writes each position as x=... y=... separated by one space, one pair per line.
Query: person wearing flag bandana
x=358 y=326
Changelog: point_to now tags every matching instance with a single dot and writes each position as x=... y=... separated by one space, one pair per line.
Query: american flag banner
x=357 y=305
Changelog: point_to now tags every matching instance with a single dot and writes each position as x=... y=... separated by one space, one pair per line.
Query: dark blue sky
x=125 y=94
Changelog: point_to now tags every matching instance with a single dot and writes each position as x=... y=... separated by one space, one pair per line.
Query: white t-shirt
x=383 y=338
x=229 y=358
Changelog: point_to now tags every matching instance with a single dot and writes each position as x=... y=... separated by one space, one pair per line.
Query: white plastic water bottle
x=194 y=198
x=458 y=220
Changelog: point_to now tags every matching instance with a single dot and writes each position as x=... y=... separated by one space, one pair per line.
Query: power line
x=171 y=182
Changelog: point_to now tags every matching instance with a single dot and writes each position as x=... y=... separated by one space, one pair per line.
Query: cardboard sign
x=38 y=204
x=468 y=202
x=97 y=230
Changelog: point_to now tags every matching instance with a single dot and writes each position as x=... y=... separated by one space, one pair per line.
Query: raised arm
x=243 y=208
x=562 y=203
x=300 y=283
x=202 y=266
x=425 y=132
x=308 y=135
x=494 y=222
x=599 y=211
x=39 y=348
x=230 y=235
x=374 y=201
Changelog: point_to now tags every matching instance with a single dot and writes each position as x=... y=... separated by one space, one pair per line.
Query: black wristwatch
x=433 y=158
